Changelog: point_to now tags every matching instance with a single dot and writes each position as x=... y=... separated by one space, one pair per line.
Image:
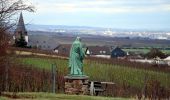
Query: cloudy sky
x=133 y=14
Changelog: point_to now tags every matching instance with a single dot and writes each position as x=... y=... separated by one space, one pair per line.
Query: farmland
x=144 y=50
x=108 y=72
x=98 y=40
x=33 y=74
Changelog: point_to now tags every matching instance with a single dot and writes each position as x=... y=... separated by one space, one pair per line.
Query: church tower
x=21 y=30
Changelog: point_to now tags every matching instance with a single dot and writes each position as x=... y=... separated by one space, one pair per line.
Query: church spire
x=20 y=29
x=21 y=26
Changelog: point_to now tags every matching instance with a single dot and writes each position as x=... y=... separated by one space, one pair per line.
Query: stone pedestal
x=76 y=85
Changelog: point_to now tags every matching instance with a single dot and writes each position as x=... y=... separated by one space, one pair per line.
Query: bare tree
x=9 y=8
x=3 y=42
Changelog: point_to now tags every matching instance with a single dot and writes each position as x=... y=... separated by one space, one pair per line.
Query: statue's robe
x=76 y=58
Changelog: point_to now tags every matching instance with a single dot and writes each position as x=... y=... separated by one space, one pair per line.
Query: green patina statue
x=77 y=55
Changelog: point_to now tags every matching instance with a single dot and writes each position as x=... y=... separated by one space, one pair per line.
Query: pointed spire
x=21 y=26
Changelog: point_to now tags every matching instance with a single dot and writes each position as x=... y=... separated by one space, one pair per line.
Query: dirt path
x=27 y=53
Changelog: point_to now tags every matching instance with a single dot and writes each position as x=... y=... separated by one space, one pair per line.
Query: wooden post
x=145 y=83
x=92 y=91
x=144 y=87
x=53 y=78
x=6 y=75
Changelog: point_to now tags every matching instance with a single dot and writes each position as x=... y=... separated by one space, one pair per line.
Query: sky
x=122 y=14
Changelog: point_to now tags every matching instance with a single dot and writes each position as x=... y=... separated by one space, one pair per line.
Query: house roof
x=117 y=52
x=168 y=58
x=68 y=46
x=99 y=50
x=94 y=50
x=63 y=49
x=117 y=49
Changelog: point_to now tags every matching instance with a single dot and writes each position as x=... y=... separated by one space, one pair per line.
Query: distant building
x=117 y=52
x=167 y=60
x=20 y=30
x=43 y=42
x=63 y=49
x=98 y=50
x=95 y=51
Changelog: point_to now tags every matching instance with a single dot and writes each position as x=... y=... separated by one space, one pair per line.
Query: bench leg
x=97 y=93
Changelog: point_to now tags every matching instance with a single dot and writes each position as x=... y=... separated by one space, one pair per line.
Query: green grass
x=104 y=72
x=132 y=76
x=166 y=51
x=3 y=98
x=44 y=63
x=144 y=50
x=50 y=96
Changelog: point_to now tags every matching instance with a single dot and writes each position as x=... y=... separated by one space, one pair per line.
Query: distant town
x=111 y=32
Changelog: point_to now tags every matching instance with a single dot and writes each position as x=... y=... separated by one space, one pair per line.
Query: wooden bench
x=95 y=87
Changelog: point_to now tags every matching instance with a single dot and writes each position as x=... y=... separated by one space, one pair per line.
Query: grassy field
x=144 y=50
x=103 y=72
x=50 y=96
x=3 y=98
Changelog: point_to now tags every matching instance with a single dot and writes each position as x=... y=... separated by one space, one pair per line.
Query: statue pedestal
x=76 y=85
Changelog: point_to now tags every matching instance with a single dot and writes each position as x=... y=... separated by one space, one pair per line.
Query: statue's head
x=78 y=39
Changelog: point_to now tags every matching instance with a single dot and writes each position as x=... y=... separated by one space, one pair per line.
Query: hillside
x=32 y=73
x=97 y=40
x=108 y=72
x=130 y=78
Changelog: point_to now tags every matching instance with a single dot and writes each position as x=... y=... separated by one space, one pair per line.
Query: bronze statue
x=77 y=55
